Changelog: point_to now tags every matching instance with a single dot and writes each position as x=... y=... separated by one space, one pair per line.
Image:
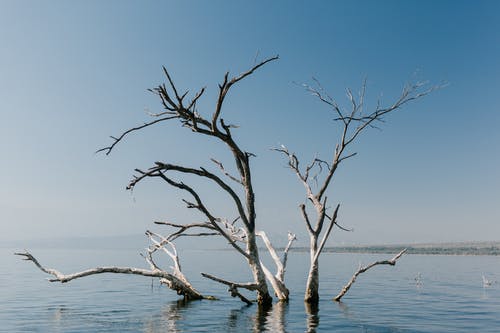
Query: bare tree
x=176 y=107
x=352 y=123
x=241 y=233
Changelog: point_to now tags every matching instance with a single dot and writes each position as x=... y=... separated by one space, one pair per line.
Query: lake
x=448 y=297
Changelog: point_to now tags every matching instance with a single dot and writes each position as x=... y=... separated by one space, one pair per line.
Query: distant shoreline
x=465 y=248
x=491 y=248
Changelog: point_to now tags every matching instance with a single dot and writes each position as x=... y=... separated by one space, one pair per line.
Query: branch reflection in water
x=265 y=319
x=174 y=318
x=312 y=321
x=272 y=319
x=171 y=315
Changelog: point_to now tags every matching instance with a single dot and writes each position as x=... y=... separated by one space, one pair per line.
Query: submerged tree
x=241 y=233
x=352 y=123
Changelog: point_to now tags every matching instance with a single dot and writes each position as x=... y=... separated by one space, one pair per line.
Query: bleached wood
x=363 y=269
x=277 y=280
x=281 y=272
x=172 y=281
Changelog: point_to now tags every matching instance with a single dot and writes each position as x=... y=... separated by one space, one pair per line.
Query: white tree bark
x=278 y=280
x=176 y=280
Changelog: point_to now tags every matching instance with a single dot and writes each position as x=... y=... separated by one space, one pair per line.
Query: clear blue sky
x=73 y=73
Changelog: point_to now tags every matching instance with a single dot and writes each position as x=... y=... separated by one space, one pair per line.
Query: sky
x=74 y=73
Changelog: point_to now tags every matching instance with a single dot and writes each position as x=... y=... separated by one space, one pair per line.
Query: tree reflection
x=174 y=318
x=171 y=315
x=261 y=318
x=265 y=319
x=274 y=318
x=345 y=310
x=312 y=321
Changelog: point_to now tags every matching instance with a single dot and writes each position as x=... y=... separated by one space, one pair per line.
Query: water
x=448 y=298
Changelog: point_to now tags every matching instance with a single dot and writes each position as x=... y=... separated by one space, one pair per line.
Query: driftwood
x=174 y=280
x=363 y=269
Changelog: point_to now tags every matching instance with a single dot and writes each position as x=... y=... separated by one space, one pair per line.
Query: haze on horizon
x=72 y=74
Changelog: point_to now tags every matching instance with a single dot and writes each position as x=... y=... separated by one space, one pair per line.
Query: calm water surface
x=449 y=297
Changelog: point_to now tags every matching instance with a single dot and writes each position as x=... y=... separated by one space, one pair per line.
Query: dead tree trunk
x=175 y=107
x=352 y=124
x=312 y=283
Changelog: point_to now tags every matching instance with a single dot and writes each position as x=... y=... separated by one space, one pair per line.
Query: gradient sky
x=73 y=73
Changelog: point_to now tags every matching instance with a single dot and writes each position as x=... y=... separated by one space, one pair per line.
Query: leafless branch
x=293 y=163
x=231 y=236
x=182 y=228
x=203 y=209
x=291 y=239
x=248 y=286
x=270 y=248
x=339 y=226
x=108 y=149
x=174 y=282
x=277 y=280
x=333 y=221
x=227 y=84
x=159 y=243
x=233 y=291
x=221 y=167
x=346 y=288
x=161 y=168
x=233 y=287
x=306 y=218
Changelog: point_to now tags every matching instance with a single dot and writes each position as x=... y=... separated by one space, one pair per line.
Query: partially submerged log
x=176 y=280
